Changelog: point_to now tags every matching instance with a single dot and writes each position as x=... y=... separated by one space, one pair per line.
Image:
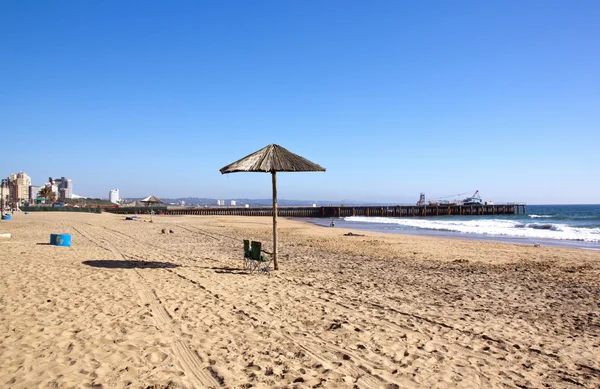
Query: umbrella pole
x=275 y=264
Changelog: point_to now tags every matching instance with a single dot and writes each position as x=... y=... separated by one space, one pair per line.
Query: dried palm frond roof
x=272 y=158
x=151 y=200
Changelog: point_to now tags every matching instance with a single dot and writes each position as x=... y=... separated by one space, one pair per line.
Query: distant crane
x=475 y=199
x=454 y=195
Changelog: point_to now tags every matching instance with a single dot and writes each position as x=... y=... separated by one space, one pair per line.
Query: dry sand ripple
x=128 y=306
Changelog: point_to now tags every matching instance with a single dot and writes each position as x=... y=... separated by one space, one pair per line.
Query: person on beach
x=332 y=224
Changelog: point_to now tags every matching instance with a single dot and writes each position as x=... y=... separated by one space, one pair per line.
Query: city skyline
x=392 y=98
x=18 y=189
x=406 y=200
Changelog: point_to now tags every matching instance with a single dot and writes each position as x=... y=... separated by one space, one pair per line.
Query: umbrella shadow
x=124 y=264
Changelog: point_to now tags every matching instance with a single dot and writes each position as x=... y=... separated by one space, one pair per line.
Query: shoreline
x=476 y=237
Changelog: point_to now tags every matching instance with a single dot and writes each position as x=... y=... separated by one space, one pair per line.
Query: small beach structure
x=149 y=201
x=272 y=159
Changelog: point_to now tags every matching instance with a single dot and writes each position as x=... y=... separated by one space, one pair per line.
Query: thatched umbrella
x=149 y=201
x=273 y=159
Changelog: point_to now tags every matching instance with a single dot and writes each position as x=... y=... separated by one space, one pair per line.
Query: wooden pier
x=333 y=212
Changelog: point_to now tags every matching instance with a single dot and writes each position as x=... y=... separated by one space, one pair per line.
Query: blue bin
x=60 y=240
x=6 y=217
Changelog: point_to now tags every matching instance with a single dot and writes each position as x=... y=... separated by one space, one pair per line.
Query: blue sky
x=393 y=98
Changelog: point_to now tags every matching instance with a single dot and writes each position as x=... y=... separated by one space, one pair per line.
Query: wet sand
x=128 y=306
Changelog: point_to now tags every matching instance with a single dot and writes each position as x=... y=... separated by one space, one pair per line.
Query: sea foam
x=497 y=227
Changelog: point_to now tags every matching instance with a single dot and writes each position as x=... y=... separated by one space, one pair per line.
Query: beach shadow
x=44 y=244
x=228 y=270
x=119 y=264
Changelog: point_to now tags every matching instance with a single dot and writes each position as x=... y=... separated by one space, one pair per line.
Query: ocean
x=556 y=225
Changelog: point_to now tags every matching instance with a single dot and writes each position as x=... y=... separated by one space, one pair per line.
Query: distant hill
x=88 y=202
x=198 y=201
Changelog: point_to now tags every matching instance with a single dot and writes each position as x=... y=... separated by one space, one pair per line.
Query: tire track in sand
x=320 y=350
x=191 y=363
x=364 y=371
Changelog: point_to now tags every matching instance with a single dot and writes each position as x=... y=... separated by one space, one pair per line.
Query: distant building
x=233 y=203
x=220 y=202
x=23 y=183
x=52 y=186
x=65 y=187
x=4 y=192
x=12 y=189
x=113 y=196
x=16 y=190
x=34 y=193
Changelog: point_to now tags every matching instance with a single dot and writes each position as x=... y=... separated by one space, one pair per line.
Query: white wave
x=539 y=216
x=492 y=227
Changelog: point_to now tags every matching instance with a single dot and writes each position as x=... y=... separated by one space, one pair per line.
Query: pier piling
x=338 y=211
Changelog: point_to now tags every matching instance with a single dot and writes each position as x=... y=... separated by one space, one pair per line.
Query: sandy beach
x=128 y=306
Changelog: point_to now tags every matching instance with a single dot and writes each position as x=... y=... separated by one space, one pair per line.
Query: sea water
x=562 y=225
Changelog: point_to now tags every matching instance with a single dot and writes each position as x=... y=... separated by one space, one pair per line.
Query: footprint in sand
x=156 y=356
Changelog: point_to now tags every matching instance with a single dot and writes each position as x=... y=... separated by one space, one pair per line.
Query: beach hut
x=149 y=201
x=272 y=159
